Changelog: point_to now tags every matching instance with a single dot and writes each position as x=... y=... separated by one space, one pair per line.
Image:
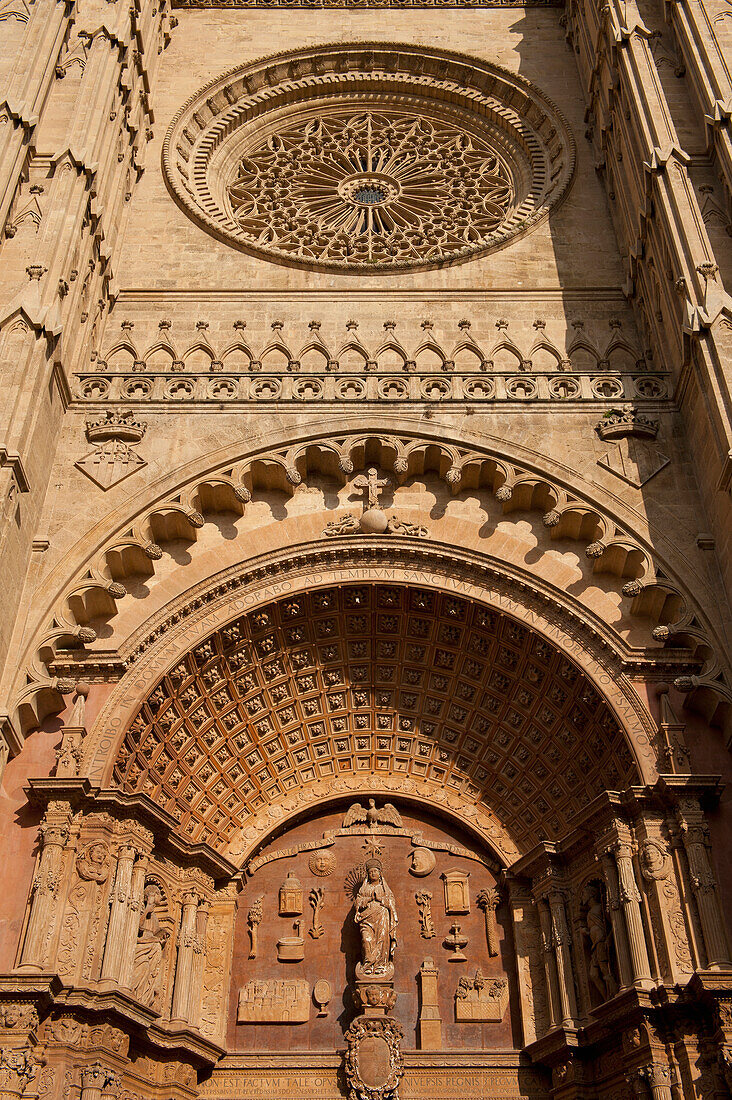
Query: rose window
x=371 y=188
x=368 y=158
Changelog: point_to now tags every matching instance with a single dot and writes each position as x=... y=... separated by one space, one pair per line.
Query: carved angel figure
x=387 y=815
x=376 y=918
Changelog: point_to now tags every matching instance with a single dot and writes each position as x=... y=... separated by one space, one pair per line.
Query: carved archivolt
x=361 y=679
x=133 y=552
x=349 y=157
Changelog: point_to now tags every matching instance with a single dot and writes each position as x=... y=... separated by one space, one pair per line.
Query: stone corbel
x=563 y=955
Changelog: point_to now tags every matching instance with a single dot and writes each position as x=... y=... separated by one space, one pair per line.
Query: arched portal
x=278 y=753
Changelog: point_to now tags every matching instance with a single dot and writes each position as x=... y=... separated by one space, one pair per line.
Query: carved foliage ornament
x=368 y=158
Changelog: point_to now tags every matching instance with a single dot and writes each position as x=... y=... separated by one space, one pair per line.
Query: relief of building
x=365 y=525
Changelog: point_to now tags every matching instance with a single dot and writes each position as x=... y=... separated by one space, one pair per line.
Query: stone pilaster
x=610 y=874
x=547 y=943
x=695 y=838
x=125 y=900
x=185 y=995
x=54 y=835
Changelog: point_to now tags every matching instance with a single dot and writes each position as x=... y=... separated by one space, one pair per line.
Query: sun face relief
x=371 y=188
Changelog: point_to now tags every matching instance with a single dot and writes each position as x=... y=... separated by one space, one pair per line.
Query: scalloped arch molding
x=616 y=542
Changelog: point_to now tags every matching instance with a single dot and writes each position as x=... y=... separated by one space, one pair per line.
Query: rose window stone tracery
x=368 y=158
x=371 y=188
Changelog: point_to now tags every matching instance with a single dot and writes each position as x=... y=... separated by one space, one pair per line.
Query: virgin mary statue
x=376 y=918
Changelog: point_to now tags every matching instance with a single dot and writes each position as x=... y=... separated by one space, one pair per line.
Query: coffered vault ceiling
x=374 y=680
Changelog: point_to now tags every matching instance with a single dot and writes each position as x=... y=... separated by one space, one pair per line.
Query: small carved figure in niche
x=93 y=863
x=254 y=918
x=422 y=862
x=424 y=904
x=317 y=901
x=387 y=815
x=488 y=900
x=151 y=940
x=322 y=863
x=598 y=936
x=377 y=921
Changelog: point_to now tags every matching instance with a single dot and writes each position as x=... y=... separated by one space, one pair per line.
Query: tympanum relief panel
x=372 y=864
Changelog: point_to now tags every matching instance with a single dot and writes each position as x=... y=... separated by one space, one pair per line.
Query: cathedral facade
x=366 y=540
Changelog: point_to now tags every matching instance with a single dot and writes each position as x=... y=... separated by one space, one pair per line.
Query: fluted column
x=133 y=919
x=610 y=874
x=184 y=967
x=124 y=903
x=17 y=1070
x=112 y=1086
x=199 y=964
x=630 y=900
x=562 y=951
x=94 y=1079
x=695 y=838
x=547 y=942
x=54 y=834
x=658 y=1077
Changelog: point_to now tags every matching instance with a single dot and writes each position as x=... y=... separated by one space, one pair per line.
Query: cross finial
x=373 y=485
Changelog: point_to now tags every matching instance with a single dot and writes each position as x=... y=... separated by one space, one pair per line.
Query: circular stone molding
x=368 y=157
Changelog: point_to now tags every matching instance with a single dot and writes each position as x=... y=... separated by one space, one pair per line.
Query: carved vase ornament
x=376 y=918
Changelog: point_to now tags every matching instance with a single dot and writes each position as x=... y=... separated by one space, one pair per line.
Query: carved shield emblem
x=110 y=463
x=634 y=460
